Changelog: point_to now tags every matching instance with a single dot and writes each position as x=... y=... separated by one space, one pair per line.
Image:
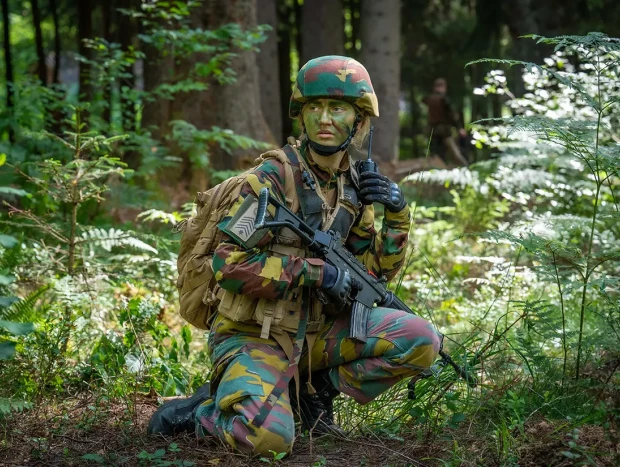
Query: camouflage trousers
x=247 y=368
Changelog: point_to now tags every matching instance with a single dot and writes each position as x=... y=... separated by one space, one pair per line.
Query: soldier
x=268 y=280
x=441 y=120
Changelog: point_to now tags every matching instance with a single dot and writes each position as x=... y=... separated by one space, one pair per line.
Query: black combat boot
x=179 y=415
x=317 y=410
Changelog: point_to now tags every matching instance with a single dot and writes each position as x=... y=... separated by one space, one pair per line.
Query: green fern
x=108 y=239
x=8 y=405
x=26 y=309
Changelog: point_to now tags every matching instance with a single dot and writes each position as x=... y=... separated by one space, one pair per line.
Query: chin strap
x=323 y=150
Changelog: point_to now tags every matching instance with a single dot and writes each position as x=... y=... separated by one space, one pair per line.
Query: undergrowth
x=515 y=261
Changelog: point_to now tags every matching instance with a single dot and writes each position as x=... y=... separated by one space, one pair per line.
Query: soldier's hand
x=336 y=283
x=377 y=188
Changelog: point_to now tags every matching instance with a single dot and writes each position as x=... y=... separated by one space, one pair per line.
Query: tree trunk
x=322 y=23
x=127 y=33
x=85 y=10
x=238 y=104
x=285 y=42
x=107 y=7
x=8 y=61
x=297 y=28
x=38 y=40
x=380 y=54
x=57 y=44
x=156 y=111
x=269 y=73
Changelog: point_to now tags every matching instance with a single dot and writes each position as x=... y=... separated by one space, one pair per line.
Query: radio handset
x=368 y=165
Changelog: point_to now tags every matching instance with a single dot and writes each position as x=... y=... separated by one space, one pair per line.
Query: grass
x=91 y=430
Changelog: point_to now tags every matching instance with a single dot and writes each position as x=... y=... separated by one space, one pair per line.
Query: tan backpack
x=196 y=282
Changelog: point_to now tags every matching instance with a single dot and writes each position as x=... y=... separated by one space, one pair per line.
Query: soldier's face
x=328 y=121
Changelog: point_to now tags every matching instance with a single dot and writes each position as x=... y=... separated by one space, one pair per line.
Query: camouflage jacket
x=257 y=273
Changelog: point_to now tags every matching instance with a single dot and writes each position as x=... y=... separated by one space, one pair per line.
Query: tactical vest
x=279 y=316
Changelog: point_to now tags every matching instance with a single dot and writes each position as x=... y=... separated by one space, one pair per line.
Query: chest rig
x=277 y=317
x=314 y=205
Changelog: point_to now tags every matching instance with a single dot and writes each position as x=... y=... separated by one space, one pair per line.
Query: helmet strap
x=323 y=150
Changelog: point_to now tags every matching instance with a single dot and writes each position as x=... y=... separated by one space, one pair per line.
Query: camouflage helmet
x=336 y=77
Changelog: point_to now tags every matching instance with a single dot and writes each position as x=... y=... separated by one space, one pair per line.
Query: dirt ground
x=114 y=434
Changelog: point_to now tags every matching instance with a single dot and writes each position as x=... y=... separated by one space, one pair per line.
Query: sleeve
x=382 y=253
x=253 y=271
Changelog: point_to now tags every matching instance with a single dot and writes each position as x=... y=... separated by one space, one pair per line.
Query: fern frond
x=461 y=176
x=8 y=405
x=538 y=246
x=10 y=258
x=592 y=41
x=108 y=239
x=26 y=310
x=561 y=77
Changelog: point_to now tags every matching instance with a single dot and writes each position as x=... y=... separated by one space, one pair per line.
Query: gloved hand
x=377 y=188
x=336 y=283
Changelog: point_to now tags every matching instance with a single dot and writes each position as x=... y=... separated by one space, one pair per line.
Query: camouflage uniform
x=248 y=366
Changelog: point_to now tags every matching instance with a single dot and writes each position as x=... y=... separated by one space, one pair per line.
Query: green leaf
x=17 y=329
x=6 y=279
x=8 y=241
x=457 y=418
x=94 y=457
x=133 y=363
x=7 y=405
x=2 y=159
x=571 y=455
x=12 y=191
x=7 y=350
x=186 y=335
x=170 y=388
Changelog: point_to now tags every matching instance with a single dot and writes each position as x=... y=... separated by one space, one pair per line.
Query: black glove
x=377 y=188
x=336 y=283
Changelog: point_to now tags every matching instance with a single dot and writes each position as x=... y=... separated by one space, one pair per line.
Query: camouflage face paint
x=328 y=121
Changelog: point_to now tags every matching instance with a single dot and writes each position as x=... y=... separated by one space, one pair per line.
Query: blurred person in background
x=442 y=119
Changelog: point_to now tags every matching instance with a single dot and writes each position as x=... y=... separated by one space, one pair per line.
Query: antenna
x=368 y=165
x=372 y=128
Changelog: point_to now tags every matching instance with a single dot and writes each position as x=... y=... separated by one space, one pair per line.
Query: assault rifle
x=367 y=290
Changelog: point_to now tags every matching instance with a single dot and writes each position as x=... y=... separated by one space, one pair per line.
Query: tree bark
x=57 y=43
x=85 y=10
x=380 y=54
x=238 y=104
x=322 y=23
x=107 y=7
x=268 y=66
x=8 y=60
x=38 y=40
x=156 y=112
x=127 y=34
x=285 y=42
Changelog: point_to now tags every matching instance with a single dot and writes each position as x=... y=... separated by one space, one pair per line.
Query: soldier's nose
x=325 y=117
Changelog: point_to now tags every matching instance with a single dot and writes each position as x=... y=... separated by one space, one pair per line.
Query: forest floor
x=109 y=434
